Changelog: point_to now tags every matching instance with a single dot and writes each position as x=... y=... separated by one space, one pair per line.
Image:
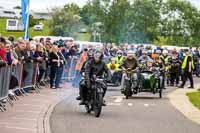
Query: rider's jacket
x=115 y=67
x=175 y=65
x=132 y=64
x=98 y=69
x=119 y=59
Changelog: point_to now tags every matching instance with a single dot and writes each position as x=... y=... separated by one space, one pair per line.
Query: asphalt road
x=145 y=113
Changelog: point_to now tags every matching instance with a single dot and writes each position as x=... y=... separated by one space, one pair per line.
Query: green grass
x=195 y=98
x=33 y=33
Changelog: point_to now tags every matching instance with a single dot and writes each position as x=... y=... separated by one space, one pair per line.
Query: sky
x=44 y=4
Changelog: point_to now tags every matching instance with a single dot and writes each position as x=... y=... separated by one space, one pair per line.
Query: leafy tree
x=65 y=21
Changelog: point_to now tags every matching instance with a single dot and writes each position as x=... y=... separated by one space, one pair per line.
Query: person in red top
x=2 y=48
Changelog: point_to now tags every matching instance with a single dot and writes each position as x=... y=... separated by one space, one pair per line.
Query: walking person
x=188 y=67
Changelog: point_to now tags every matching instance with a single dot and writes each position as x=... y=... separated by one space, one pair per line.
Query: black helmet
x=98 y=55
x=90 y=53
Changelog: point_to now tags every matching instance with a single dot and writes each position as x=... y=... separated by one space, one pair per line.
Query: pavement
x=29 y=113
x=180 y=101
x=57 y=111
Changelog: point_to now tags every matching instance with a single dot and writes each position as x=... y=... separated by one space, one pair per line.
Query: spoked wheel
x=128 y=91
x=98 y=105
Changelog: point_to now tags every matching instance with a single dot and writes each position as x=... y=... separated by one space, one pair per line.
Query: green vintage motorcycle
x=151 y=81
x=142 y=81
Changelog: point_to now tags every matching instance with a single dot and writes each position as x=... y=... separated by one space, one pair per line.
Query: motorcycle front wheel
x=128 y=91
x=98 y=104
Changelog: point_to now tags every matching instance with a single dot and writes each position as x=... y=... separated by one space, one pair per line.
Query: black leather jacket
x=98 y=69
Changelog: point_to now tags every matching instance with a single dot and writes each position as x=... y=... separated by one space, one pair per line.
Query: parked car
x=38 y=27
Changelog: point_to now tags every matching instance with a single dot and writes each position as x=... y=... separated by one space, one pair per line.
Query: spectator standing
x=54 y=64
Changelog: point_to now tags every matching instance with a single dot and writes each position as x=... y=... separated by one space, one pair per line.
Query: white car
x=38 y=27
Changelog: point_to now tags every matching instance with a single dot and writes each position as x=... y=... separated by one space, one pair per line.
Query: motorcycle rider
x=129 y=63
x=175 y=70
x=96 y=67
x=145 y=60
x=115 y=70
x=90 y=55
x=119 y=58
x=164 y=57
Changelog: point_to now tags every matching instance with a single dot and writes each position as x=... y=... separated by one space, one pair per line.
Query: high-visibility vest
x=184 y=64
x=114 y=67
x=119 y=60
x=165 y=59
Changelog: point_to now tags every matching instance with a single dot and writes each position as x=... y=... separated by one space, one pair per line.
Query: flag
x=25 y=17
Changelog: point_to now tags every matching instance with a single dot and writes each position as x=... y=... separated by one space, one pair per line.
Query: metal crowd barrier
x=29 y=76
x=5 y=75
x=25 y=78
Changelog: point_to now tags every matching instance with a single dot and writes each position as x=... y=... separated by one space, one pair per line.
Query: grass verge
x=195 y=98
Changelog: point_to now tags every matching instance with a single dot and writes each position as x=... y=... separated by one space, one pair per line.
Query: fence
x=16 y=79
x=5 y=74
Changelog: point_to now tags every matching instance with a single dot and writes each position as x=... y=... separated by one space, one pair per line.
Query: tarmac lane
x=144 y=113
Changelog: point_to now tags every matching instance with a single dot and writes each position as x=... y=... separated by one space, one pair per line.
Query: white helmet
x=130 y=52
x=165 y=52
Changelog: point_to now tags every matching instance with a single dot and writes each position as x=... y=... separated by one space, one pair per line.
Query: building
x=16 y=13
x=10 y=13
x=40 y=14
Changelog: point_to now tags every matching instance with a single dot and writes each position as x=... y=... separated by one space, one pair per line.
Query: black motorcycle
x=95 y=96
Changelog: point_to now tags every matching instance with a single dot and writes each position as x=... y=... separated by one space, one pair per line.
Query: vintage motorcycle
x=151 y=81
x=95 y=96
x=130 y=84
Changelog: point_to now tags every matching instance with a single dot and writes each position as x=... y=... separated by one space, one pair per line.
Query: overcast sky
x=44 y=4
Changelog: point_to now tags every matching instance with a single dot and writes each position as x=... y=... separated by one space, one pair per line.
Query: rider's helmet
x=158 y=51
x=130 y=54
x=164 y=52
x=90 y=53
x=119 y=53
x=98 y=56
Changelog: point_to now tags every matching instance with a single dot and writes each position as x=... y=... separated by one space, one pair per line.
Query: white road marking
x=17 y=118
x=119 y=99
x=21 y=128
x=130 y=104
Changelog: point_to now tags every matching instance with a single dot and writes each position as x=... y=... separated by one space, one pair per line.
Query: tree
x=65 y=21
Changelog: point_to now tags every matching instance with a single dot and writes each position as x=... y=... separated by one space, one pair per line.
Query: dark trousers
x=174 y=77
x=187 y=75
x=53 y=71
x=59 y=73
x=41 y=74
